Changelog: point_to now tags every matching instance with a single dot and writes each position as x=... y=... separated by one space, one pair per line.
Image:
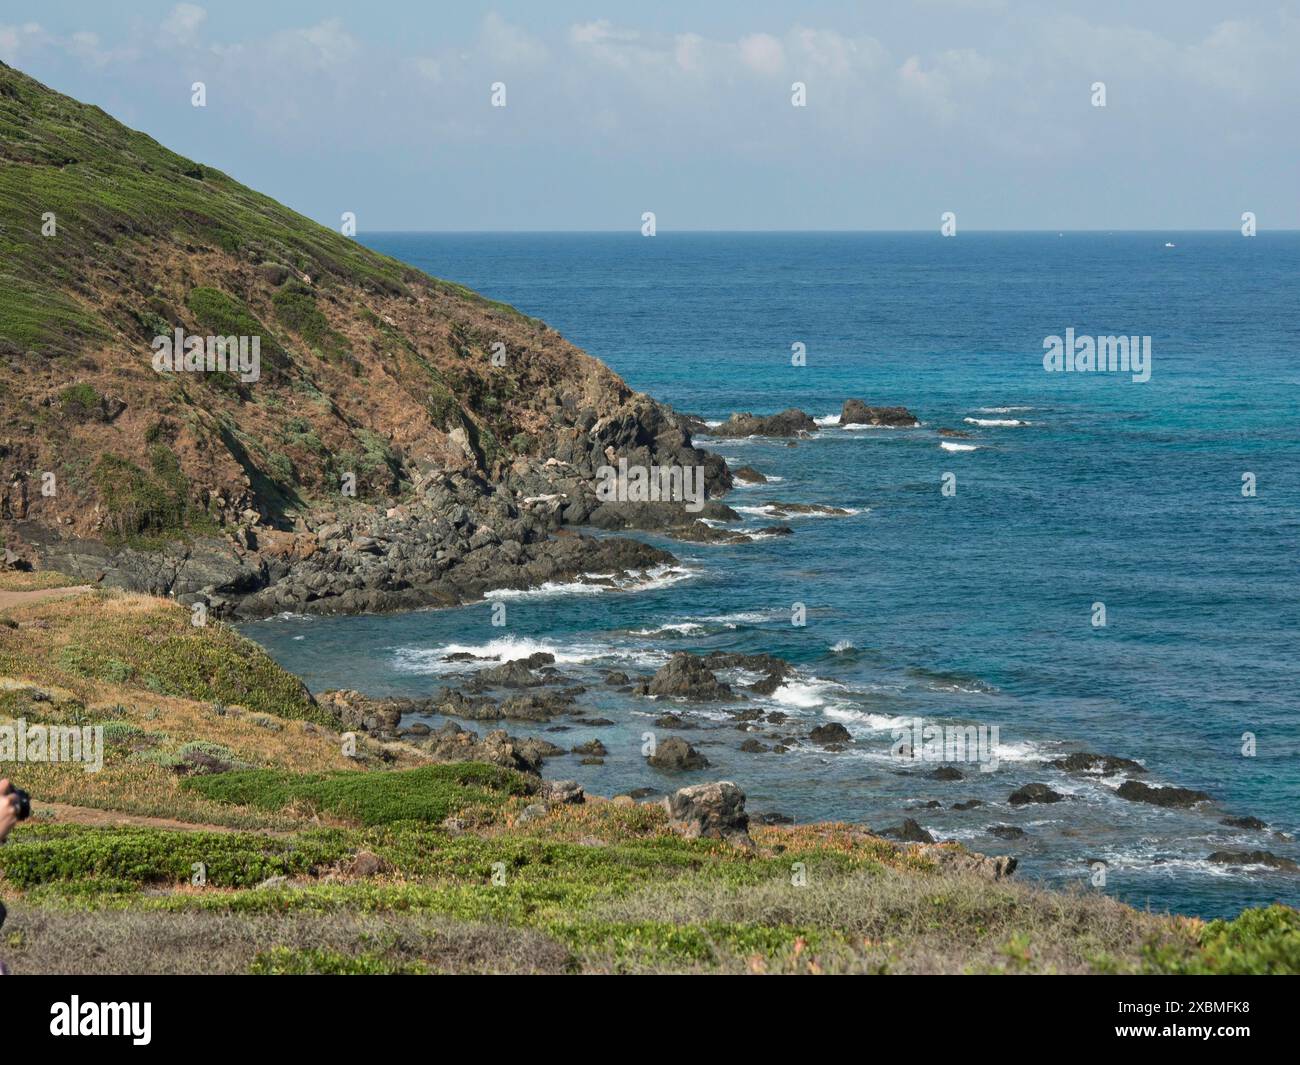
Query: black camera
x=24 y=804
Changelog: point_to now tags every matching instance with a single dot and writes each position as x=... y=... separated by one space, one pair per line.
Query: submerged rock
x=1179 y=798
x=1034 y=793
x=1267 y=858
x=1105 y=764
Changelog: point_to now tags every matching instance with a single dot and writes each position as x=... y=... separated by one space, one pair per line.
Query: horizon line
x=633 y=231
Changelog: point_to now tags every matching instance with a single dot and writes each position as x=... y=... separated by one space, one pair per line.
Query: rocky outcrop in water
x=1178 y=798
x=676 y=755
x=855 y=412
x=787 y=423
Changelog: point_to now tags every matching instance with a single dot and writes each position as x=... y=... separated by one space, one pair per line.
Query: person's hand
x=8 y=809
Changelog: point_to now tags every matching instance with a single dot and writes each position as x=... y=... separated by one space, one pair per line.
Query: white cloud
x=762 y=53
x=181 y=26
x=16 y=39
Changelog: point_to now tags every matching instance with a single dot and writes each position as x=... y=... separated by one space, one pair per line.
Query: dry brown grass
x=51 y=942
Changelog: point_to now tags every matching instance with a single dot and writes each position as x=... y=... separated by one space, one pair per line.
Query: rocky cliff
x=402 y=441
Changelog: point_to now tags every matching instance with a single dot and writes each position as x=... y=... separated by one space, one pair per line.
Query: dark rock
x=788 y=423
x=832 y=732
x=1034 y=793
x=946 y=772
x=969 y=804
x=1006 y=831
x=1267 y=858
x=908 y=832
x=749 y=475
x=593 y=747
x=686 y=676
x=1244 y=822
x=855 y=412
x=754 y=747
x=676 y=754
x=1180 y=798
x=1104 y=764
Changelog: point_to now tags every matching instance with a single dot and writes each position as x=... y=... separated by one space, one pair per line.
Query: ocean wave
x=661 y=576
x=767 y=510
x=744 y=617
x=840 y=646
x=511 y=648
x=948 y=445
x=1001 y=410
x=1005 y=422
x=680 y=627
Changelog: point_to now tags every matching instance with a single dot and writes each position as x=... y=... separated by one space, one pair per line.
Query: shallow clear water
x=971 y=608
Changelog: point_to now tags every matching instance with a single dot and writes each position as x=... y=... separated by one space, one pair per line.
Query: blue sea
x=975 y=607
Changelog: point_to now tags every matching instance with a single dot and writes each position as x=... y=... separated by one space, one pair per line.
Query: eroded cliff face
x=400 y=439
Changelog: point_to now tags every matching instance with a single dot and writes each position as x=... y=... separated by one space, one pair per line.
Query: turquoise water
x=968 y=608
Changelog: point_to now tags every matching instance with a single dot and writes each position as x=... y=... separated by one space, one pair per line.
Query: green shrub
x=428 y=793
x=1261 y=941
x=149 y=856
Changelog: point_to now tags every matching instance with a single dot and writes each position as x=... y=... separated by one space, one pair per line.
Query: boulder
x=831 y=732
x=713 y=811
x=686 y=676
x=564 y=792
x=675 y=753
x=909 y=831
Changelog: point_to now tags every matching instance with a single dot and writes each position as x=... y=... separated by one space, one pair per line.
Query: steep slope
x=385 y=402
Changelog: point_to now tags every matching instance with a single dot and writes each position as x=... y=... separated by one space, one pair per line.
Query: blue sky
x=914 y=107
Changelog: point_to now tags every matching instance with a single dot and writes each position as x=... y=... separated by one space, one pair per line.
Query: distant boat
x=1168 y=244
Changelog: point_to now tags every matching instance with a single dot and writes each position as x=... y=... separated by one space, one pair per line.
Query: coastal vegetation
x=230 y=830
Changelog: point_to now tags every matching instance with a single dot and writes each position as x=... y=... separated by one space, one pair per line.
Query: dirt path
x=65 y=814
x=8 y=600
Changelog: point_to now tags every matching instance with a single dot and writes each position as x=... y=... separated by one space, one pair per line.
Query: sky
x=985 y=108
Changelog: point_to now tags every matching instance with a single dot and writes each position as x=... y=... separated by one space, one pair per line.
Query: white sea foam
x=1002 y=410
x=840 y=646
x=675 y=626
x=660 y=576
x=1005 y=422
x=511 y=648
x=948 y=445
x=828 y=419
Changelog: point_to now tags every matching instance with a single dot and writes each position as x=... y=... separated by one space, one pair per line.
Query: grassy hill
x=367 y=364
